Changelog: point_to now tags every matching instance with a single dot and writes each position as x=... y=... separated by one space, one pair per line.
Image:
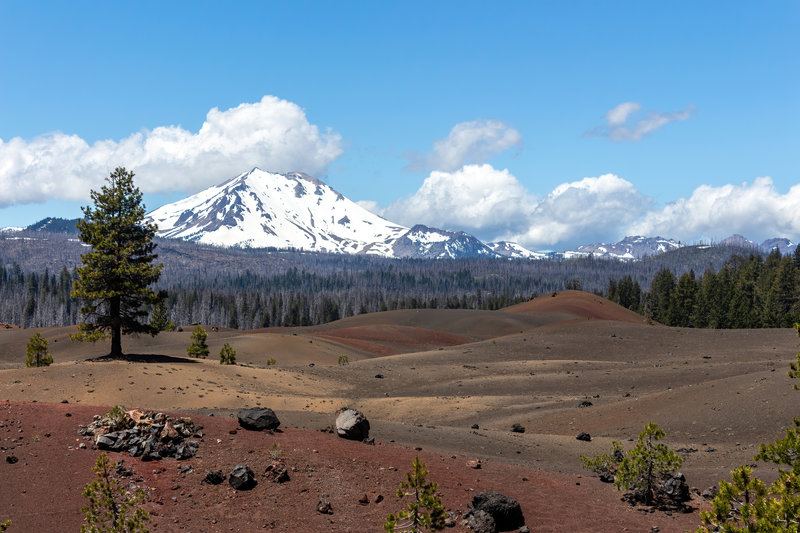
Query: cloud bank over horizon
x=272 y=133
x=495 y=206
x=462 y=191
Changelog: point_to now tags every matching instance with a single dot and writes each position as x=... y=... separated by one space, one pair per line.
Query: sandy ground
x=424 y=377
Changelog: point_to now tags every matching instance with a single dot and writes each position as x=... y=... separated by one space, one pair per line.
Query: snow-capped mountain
x=424 y=242
x=784 y=245
x=513 y=250
x=738 y=240
x=259 y=209
x=632 y=247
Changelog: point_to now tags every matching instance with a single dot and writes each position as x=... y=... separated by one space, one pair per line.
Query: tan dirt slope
x=425 y=377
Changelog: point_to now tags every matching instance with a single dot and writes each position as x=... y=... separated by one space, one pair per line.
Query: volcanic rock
x=352 y=424
x=676 y=488
x=242 y=478
x=277 y=472
x=258 y=419
x=324 y=507
x=214 y=478
x=506 y=511
x=482 y=522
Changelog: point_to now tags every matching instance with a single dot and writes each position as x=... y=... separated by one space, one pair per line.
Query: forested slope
x=249 y=288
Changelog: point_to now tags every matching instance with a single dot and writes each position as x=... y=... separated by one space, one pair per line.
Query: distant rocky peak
x=738 y=240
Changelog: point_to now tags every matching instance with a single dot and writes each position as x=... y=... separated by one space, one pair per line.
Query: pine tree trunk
x=116 y=334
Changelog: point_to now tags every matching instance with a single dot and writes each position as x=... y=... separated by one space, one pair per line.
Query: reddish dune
x=576 y=305
x=390 y=340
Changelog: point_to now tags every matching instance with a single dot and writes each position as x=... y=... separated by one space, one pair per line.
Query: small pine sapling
x=227 y=356
x=111 y=508
x=5 y=525
x=37 y=353
x=605 y=464
x=275 y=451
x=116 y=418
x=159 y=317
x=425 y=511
x=198 y=348
x=271 y=362
x=647 y=464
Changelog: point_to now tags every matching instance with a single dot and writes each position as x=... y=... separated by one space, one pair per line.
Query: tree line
x=746 y=292
x=248 y=289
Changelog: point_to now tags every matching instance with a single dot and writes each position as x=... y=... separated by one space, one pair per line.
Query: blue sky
x=549 y=123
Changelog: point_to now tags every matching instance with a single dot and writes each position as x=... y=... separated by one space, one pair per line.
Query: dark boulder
x=258 y=419
x=506 y=511
x=676 y=489
x=583 y=436
x=242 y=478
x=352 y=424
x=214 y=478
x=518 y=428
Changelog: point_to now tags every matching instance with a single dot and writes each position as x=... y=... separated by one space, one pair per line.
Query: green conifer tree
x=198 y=348
x=227 y=355
x=641 y=469
x=115 y=281
x=36 y=353
x=159 y=317
x=425 y=511
x=111 y=508
x=647 y=464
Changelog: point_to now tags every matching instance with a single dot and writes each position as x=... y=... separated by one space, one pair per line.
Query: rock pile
x=146 y=434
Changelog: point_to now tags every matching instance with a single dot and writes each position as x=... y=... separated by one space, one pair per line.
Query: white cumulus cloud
x=494 y=205
x=473 y=198
x=755 y=210
x=589 y=210
x=273 y=134
x=622 y=124
x=468 y=142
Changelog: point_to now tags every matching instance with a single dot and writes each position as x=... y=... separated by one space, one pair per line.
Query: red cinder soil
x=42 y=491
x=576 y=305
x=390 y=340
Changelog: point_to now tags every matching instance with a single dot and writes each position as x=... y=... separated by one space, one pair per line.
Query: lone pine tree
x=36 y=353
x=199 y=347
x=425 y=511
x=115 y=281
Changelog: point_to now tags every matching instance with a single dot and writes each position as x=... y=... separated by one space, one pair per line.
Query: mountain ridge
x=296 y=211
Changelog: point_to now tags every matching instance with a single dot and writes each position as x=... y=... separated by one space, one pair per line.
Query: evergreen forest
x=694 y=286
x=750 y=291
